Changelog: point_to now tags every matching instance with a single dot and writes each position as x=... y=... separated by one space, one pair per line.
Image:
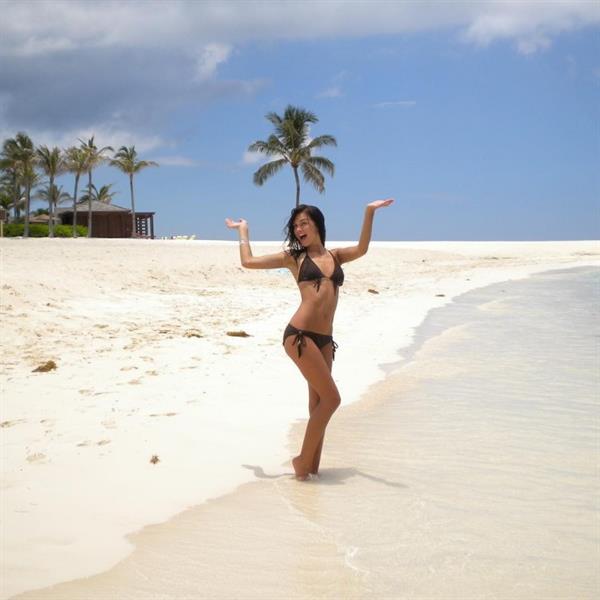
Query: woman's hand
x=380 y=203
x=241 y=224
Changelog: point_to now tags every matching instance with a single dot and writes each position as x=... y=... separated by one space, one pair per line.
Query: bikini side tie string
x=299 y=342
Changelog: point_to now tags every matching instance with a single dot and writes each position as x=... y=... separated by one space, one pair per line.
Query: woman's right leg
x=313 y=366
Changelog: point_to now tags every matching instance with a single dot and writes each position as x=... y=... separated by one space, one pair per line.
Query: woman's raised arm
x=353 y=252
x=269 y=261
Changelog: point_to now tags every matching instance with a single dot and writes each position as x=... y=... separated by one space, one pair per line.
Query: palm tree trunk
x=133 y=231
x=89 y=203
x=27 y=205
x=50 y=208
x=295 y=169
x=17 y=201
x=75 y=205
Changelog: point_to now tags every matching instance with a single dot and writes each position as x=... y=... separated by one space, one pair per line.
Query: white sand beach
x=138 y=332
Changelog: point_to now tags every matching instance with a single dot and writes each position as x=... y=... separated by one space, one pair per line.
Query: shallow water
x=492 y=423
x=472 y=471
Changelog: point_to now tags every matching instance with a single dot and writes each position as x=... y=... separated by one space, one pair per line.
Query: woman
x=308 y=338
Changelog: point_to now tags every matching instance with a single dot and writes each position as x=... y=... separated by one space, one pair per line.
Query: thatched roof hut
x=109 y=220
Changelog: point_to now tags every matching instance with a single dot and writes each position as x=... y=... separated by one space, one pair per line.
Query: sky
x=481 y=119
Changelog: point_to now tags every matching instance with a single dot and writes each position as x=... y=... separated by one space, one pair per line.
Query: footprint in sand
x=86 y=443
x=170 y=414
x=109 y=423
x=103 y=442
x=35 y=458
x=12 y=423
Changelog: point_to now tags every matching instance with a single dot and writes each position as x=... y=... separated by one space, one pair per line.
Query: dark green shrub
x=13 y=229
x=37 y=230
x=67 y=231
x=40 y=230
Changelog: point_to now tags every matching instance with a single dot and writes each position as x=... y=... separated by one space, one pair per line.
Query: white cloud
x=212 y=56
x=39 y=27
x=130 y=65
x=392 y=103
x=530 y=24
x=335 y=91
x=532 y=44
x=252 y=158
x=104 y=135
x=176 y=161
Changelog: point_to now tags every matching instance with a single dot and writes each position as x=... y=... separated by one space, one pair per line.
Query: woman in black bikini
x=308 y=338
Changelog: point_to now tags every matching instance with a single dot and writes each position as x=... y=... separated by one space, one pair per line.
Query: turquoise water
x=485 y=442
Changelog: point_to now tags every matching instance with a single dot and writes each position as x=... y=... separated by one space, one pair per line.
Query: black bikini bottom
x=319 y=339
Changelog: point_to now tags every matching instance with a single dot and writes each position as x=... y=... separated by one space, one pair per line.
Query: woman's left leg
x=313 y=402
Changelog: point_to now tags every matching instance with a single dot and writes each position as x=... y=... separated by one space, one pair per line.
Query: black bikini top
x=309 y=271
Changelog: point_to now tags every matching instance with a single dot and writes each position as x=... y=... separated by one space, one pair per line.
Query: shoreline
x=198 y=539
x=419 y=295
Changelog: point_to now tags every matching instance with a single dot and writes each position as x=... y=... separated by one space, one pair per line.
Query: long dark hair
x=294 y=247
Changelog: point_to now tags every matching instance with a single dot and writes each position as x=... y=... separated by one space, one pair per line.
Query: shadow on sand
x=335 y=476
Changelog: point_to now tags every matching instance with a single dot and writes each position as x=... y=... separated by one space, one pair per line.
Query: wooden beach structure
x=110 y=220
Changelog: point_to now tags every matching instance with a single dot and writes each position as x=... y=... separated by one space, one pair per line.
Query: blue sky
x=481 y=119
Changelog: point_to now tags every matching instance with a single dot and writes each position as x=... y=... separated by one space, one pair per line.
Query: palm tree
x=52 y=163
x=76 y=163
x=126 y=161
x=10 y=184
x=18 y=154
x=6 y=199
x=104 y=194
x=292 y=145
x=94 y=157
x=54 y=195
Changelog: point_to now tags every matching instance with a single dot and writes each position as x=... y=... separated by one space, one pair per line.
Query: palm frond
x=322 y=163
x=75 y=160
x=273 y=118
x=125 y=159
x=272 y=147
x=258 y=146
x=299 y=116
x=143 y=164
x=268 y=170
x=312 y=175
x=51 y=160
x=322 y=140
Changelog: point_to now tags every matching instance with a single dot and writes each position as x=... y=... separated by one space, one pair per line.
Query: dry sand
x=144 y=368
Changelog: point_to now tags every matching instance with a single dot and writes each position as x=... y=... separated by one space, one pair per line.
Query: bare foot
x=300 y=470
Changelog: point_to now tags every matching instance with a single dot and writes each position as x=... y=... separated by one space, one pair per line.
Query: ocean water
x=471 y=472
x=478 y=459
